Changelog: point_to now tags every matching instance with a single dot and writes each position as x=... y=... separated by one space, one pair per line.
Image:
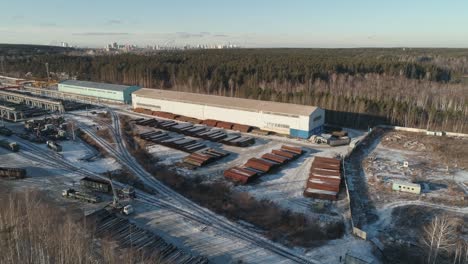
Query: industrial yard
x=46 y=177
x=202 y=189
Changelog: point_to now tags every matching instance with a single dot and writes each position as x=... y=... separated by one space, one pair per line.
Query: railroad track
x=55 y=160
x=223 y=225
x=181 y=205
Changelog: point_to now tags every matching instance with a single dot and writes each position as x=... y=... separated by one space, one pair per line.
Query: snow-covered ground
x=176 y=229
x=386 y=165
x=167 y=156
x=78 y=150
x=284 y=186
x=226 y=249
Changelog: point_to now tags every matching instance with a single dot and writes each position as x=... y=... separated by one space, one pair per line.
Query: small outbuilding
x=406 y=187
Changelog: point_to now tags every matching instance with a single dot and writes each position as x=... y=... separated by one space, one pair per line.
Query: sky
x=254 y=23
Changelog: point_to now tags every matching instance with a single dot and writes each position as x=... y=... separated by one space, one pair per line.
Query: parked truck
x=13 y=146
x=86 y=197
x=127 y=209
x=338 y=141
x=54 y=146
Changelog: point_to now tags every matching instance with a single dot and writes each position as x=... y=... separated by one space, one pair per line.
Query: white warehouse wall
x=267 y=121
x=317 y=119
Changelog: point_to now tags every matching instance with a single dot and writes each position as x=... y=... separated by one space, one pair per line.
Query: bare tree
x=440 y=235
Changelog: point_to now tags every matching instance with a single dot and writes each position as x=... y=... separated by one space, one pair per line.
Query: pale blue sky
x=254 y=23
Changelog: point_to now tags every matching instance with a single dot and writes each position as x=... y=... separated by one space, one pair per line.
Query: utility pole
x=47 y=70
x=73 y=130
x=115 y=198
x=2 y=62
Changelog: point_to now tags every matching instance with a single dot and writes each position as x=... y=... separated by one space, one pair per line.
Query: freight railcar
x=12 y=173
x=96 y=184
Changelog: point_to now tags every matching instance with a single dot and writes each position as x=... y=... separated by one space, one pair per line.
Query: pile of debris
x=402 y=141
x=41 y=130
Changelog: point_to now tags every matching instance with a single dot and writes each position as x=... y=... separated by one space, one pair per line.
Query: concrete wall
x=284 y=124
x=420 y=130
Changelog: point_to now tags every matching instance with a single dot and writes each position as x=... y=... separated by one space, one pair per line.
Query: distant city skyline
x=256 y=23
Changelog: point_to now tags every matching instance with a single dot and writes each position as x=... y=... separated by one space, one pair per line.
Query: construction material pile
x=207 y=122
x=107 y=224
x=199 y=131
x=143 y=111
x=256 y=167
x=177 y=142
x=189 y=119
x=166 y=115
x=204 y=157
x=324 y=179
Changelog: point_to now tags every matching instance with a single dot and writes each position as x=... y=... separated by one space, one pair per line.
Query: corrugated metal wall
x=113 y=95
x=296 y=126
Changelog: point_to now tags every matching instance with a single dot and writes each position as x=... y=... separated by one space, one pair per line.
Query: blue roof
x=96 y=85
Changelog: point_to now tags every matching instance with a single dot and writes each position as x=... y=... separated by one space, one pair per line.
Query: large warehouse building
x=106 y=91
x=296 y=120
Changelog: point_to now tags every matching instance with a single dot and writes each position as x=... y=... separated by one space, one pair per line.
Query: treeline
x=27 y=50
x=359 y=87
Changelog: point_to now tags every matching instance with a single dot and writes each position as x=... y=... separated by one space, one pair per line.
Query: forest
x=358 y=87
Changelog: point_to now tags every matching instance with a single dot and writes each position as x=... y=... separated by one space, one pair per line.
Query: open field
x=396 y=219
x=438 y=164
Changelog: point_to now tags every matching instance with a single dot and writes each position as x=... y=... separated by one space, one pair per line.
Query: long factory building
x=105 y=91
x=295 y=120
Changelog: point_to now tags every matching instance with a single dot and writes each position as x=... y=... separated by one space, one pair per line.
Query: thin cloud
x=48 y=24
x=102 y=34
x=186 y=35
x=114 y=22
x=17 y=17
x=220 y=36
x=181 y=35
